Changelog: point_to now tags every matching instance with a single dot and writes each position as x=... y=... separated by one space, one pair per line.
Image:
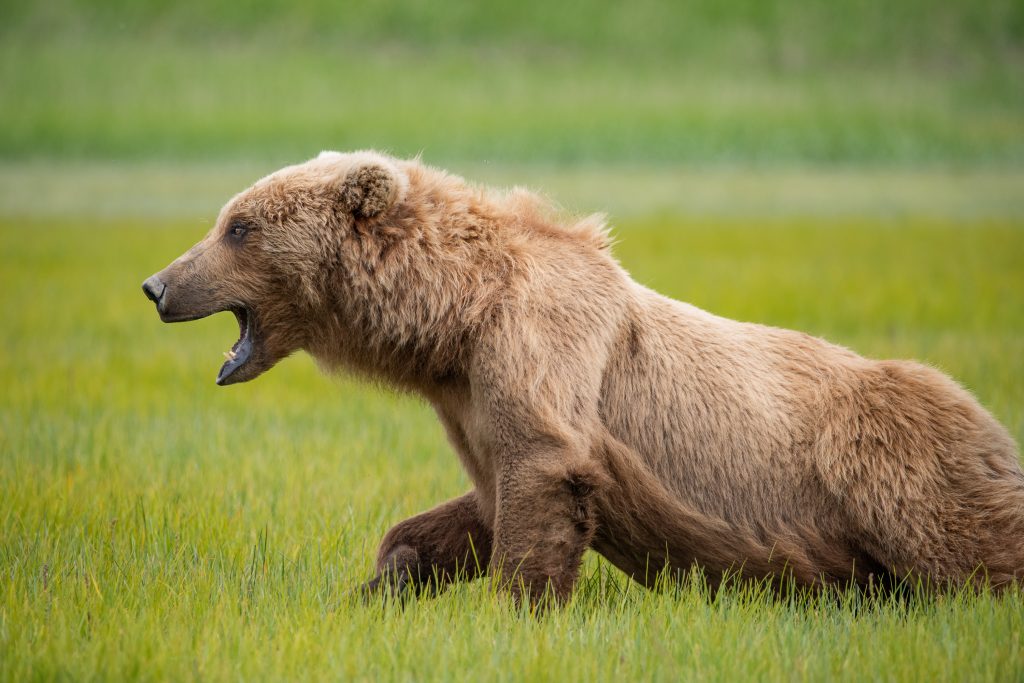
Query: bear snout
x=154 y=289
x=176 y=303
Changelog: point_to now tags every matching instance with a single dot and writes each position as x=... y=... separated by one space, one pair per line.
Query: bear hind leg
x=427 y=552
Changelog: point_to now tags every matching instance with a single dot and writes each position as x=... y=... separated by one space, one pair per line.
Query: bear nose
x=154 y=289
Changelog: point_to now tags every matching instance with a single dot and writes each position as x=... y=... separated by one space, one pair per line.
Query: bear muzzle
x=177 y=304
x=245 y=360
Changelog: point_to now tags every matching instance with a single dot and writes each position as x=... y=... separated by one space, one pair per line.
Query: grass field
x=155 y=526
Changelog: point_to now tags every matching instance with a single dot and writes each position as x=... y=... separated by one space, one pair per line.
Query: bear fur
x=591 y=412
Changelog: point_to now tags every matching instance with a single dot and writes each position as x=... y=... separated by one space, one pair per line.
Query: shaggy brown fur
x=591 y=412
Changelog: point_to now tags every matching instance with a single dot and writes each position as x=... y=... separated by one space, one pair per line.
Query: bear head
x=271 y=251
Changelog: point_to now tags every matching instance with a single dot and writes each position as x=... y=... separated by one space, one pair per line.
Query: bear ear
x=372 y=186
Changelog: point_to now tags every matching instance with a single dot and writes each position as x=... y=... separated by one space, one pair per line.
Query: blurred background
x=121 y=106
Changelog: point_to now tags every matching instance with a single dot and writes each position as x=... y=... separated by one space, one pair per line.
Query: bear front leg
x=450 y=542
x=546 y=519
x=535 y=387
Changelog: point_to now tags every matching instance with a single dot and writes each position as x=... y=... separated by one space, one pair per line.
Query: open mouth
x=242 y=349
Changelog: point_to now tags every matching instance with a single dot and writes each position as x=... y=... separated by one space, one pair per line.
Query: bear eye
x=238 y=230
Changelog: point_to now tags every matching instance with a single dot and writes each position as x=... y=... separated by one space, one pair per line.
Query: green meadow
x=851 y=169
x=156 y=526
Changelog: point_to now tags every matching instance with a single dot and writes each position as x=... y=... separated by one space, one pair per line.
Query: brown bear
x=591 y=412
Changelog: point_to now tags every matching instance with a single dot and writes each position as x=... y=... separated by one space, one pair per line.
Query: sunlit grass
x=156 y=526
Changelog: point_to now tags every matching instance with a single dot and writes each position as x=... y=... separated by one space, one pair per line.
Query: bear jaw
x=241 y=350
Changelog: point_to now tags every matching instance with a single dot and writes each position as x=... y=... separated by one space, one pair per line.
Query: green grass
x=154 y=526
x=745 y=81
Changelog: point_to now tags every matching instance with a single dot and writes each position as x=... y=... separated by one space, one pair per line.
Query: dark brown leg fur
x=546 y=520
x=450 y=542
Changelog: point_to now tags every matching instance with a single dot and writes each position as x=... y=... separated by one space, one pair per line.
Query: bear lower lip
x=241 y=350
